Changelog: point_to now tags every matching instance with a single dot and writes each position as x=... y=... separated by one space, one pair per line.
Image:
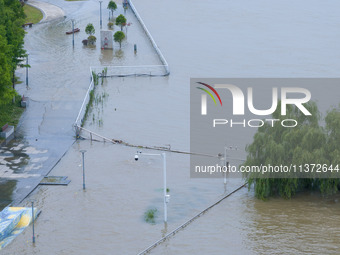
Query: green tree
x=91 y=39
x=119 y=37
x=112 y=6
x=121 y=21
x=6 y=90
x=90 y=29
x=11 y=46
x=306 y=143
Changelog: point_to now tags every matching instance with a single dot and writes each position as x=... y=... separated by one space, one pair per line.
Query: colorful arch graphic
x=208 y=92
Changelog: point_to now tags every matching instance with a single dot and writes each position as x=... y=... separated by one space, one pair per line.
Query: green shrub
x=150 y=216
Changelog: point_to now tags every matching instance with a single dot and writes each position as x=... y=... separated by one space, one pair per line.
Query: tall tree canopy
x=11 y=45
x=307 y=143
x=112 y=6
x=90 y=29
x=119 y=37
x=121 y=21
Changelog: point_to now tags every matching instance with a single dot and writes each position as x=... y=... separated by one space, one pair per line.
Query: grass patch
x=33 y=15
x=88 y=106
x=150 y=216
x=10 y=113
x=17 y=81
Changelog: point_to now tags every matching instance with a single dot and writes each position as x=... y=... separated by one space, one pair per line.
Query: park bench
x=30 y=24
x=4 y=127
x=6 y=131
x=24 y=101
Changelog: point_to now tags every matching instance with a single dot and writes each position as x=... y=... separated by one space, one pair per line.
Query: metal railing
x=125 y=71
x=165 y=63
x=172 y=233
x=81 y=114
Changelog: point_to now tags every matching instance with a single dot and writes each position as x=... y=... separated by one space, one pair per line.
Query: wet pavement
x=34 y=151
x=50 y=11
x=56 y=93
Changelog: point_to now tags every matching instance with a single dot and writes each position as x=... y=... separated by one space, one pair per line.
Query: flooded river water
x=199 y=39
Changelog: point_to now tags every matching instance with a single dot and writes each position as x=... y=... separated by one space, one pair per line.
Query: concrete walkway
x=50 y=11
x=24 y=162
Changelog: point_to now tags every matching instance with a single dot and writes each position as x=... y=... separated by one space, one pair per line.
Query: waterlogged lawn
x=10 y=113
x=33 y=15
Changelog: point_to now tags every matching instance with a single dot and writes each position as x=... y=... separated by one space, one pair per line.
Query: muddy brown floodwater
x=199 y=39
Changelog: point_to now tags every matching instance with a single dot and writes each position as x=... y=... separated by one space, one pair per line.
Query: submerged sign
x=106 y=39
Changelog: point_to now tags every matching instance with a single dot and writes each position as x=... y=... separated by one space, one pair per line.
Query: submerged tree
x=307 y=143
x=112 y=6
x=90 y=31
x=119 y=37
x=121 y=21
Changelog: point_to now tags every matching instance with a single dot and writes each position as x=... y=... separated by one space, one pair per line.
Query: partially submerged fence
x=165 y=63
x=126 y=71
x=82 y=112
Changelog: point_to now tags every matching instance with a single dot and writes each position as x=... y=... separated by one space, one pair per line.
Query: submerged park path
x=24 y=161
x=50 y=11
x=58 y=80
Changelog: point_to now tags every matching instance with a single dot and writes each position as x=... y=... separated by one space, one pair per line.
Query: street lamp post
x=164 y=185
x=166 y=197
x=100 y=3
x=27 y=69
x=72 y=32
x=33 y=235
x=226 y=164
x=126 y=27
x=83 y=152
